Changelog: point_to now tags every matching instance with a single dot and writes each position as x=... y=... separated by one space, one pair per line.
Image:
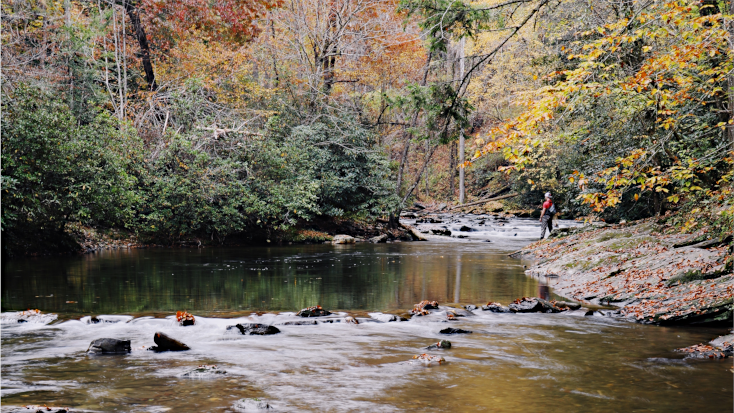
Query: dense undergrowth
x=58 y=170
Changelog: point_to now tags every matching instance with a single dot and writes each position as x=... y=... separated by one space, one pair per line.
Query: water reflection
x=356 y=277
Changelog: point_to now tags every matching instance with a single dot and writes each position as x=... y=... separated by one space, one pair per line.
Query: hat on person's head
x=548 y=195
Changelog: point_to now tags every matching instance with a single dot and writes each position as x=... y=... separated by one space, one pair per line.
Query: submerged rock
x=300 y=323
x=33 y=408
x=28 y=316
x=255 y=329
x=105 y=319
x=203 y=371
x=443 y=344
x=166 y=343
x=454 y=331
x=441 y=231
x=315 y=311
x=109 y=346
x=470 y=307
x=387 y=318
x=342 y=239
x=251 y=405
x=427 y=359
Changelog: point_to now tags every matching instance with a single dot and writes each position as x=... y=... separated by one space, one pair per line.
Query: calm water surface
x=531 y=362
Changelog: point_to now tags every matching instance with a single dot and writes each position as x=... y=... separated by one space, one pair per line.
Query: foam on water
x=356 y=363
x=517 y=231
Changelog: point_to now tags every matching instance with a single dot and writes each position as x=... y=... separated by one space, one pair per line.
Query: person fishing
x=546 y=216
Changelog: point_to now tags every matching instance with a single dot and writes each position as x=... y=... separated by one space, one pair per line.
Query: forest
x=180 y=120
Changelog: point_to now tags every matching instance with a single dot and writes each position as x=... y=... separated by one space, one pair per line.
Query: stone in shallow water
x=533 y=305
x=428 y=359
x=166 y=343
x=342 y=239
x=386 y=318
x=32 y=408
x=443 y=344
x=109 y=346
x=495 y=308
x=28 y=316
x=300 y=323
x=704 y=351
x=251 y=405
x=255 y=329
x=204 y=371
x=454 y=331
x=315 y=311
x=378 y=239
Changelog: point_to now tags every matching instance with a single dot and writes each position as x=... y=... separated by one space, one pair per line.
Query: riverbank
x=82 y=239
x=647 y=269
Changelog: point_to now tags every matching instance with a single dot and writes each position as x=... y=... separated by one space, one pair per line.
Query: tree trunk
x=452 y=170
x=132 y=12
x=419 y=174
x=462 y=150
x=403 y=160
x=328 y=54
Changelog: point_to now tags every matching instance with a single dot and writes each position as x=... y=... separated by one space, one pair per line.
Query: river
x=511 y=362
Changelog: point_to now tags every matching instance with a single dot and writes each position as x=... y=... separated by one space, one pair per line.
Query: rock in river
x=533 y=305
x=445 y=344
x=441 y=231
x=719 y=348
x=251 y=405
x=315 y=311
x=495 y=308
x=454 y=331
x=342 y=239
x=378 y=239
x=37 y=408
x=255 y=329
x=166 y=343
x=301 y=323
x=204 y=371
x=109 y=346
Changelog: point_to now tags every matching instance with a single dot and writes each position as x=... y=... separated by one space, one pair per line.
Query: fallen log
x=414 y=232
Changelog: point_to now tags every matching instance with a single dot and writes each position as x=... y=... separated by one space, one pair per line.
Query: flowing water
x=534 y=362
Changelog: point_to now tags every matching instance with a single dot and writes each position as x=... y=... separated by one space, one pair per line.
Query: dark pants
x=546 y=223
